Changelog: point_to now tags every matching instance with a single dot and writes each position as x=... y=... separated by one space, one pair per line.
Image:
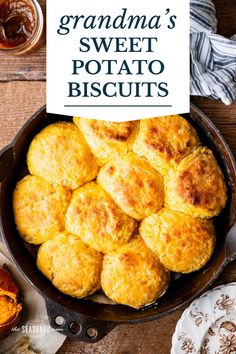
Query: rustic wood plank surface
x=34 y=67
x=19 y=99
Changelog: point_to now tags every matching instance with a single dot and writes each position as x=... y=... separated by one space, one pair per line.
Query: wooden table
x=22 y=91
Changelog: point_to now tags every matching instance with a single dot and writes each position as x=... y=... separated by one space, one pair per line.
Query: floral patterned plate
x=208 y=325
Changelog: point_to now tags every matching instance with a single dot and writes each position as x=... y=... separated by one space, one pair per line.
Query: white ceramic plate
x=208 y=325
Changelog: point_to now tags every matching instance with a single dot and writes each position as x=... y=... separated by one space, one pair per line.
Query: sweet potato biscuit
x=107 y=140
x=60 y=154
x=182 y=243
x=165 y=141
x=133 y=184
x=132 y=275
x=39 y=208
x=70 y=265
x=197 y=186
x=97 y=220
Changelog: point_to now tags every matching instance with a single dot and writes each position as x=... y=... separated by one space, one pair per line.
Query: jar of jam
x=21 y=26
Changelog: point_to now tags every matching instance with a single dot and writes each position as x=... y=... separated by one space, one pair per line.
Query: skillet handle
x=6 y=162
x=74 y=325
x=231 y=244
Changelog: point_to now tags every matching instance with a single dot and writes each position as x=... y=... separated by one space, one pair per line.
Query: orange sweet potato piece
x=10 y=308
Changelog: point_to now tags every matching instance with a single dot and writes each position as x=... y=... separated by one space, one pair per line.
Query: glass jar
x=15 y=39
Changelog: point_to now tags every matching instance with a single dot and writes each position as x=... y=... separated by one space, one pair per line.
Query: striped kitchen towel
x=213 y=57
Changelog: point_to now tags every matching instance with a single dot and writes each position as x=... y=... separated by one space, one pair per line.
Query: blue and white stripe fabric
x=213 y=57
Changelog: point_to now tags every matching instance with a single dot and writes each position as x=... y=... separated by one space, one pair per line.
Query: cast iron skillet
x=80 y=316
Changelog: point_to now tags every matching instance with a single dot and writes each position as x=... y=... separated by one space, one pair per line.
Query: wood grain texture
x=226 y=12
x=34 y=66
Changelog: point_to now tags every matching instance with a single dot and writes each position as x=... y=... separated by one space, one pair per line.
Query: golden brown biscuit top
x=134 y=254
x=60 y=154
x=165 y=141
x=73 y=267
x=110 y=130
x=107 y=140
x=33 y=190
x=133 y=275
x=182 y=243
x=200 y=181
x=134 y=185
x=97 y=220
x=39 y=208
